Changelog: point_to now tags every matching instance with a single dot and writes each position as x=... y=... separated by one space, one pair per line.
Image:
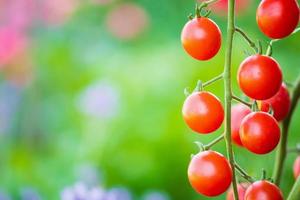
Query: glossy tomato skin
x=260 y=132
x=201 y=38
x=203 y=112
x=241 y=191
x=277 y=18
x=259 y=77
x=280 y=103
x=238 y=112
x=209 y=173
x=297 y=167
x=263 y=190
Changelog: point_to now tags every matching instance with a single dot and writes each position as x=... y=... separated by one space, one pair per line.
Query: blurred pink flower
x=127 y=21
x=19 y=13
x=220 y=7
x=13 y=43
x=101 y=2
x=57 y=12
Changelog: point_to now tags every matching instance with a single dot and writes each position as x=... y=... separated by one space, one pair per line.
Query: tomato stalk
x=215 y=141
x=228 y=91
x=247 y=38
x=241 y=101
x=295 y=192
x=207 y=83
x=243 y=173
x=282 y=149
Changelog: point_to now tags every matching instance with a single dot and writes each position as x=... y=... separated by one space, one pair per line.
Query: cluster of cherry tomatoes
x=259 y=78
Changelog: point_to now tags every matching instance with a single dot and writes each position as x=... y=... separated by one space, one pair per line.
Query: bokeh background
x=91 y=94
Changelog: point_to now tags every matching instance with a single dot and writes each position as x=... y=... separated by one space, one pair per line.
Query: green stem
x=295 y=192
x=228 y=91
x=247 y=38
x=244 y=174
x=207 y=83
x=215 y=141
x=282 y=149
x=241 y=101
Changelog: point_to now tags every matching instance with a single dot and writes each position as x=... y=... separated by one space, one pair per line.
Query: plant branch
x=247 y=38
x=282 y=149
x=207 y=83
x=244 y=174
x=241 y=101
x=215 y=141
x=228 y=91
x=295 y=192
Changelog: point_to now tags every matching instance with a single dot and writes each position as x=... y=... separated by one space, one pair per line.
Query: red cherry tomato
x=203 y=112
x=209 y=173
x=263 y=190
x=241 y=192
x=260 y=132
x=238 y=112
x=277 y=18
x=259 y=77
x=280 y=103
x=297 y=167
x=201 y=38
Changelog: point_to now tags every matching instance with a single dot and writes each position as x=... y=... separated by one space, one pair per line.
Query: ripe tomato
x=280 y=103
x=259 y=132
x=277 y=18
x=259 y=77
x=238 y=112
x=241 y=191
x=209 y=173
x=297 y=167
x=201 y=38
x=203 y=112
x=263 y=190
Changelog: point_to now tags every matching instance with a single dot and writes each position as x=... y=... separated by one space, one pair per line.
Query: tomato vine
x=204 y=114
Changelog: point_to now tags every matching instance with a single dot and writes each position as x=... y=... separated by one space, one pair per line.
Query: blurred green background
x=93 y=90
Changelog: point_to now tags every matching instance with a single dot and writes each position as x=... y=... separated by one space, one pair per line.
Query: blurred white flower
x=30 y=194
x=100 y=100
x=4 y=196
x=155 y=195
x=80 y=192
x=118 y=194
x=10 y=96
x=96 y=193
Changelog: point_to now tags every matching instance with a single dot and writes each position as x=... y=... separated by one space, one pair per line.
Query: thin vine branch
x=282 y=149
x=244 y=174
x=228 y=91
x=247 y=38
x=295 y=192
x=241 y=101
x=215 y=141
x=207 y=83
